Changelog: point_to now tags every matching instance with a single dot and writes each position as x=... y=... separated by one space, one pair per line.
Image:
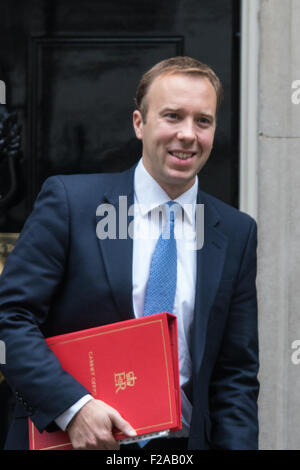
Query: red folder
x=132 y=366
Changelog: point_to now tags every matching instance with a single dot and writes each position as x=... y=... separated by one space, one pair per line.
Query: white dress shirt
x=147 y=226
x=149 y=196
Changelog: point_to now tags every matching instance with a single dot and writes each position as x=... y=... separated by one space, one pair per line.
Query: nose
x=186 y=131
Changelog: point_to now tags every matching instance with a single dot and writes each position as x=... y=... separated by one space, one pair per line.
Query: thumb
x=122 y=425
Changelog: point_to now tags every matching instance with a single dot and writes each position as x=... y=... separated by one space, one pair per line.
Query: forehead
x=179 y=89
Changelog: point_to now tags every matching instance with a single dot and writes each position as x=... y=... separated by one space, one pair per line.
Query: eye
x=203 y=121
x=173 y=116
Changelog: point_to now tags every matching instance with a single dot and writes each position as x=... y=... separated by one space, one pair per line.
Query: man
x=62 y=278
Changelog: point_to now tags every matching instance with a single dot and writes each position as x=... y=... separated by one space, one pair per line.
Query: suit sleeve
x=234 y=385
x=29 y=281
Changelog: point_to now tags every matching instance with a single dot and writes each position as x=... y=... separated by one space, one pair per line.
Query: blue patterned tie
x=161 y=287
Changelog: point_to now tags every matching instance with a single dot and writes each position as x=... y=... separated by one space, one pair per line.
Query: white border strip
x=248 y=201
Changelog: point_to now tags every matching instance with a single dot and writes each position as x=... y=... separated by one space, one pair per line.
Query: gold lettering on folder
x=124 y=379
x=93 y=373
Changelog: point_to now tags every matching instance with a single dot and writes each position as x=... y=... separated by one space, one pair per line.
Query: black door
x=71 y=69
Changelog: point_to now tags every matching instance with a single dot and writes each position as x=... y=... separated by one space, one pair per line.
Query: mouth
x=182 y=155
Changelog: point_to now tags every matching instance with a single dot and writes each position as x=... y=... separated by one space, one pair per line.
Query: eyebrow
x=178 y=109
x=170 y=108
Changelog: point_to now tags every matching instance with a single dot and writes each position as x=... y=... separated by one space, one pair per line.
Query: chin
x=180 y=177
x=177 y=184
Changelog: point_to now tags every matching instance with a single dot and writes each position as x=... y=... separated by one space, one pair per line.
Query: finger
x=122 y=425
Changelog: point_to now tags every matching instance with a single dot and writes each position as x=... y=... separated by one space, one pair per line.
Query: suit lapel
x=210 y=262
x=117 y=252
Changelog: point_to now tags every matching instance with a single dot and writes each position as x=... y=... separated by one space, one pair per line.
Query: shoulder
x=87 y=186
x=81 y=181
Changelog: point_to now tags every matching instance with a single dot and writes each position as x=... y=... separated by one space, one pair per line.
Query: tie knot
x=172 y=209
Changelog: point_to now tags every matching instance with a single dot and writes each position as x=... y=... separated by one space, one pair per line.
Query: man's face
x=179 y=130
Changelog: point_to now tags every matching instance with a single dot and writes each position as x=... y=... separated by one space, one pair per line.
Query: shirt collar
x=155 y=196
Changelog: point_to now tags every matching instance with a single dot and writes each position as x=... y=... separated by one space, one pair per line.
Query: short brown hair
x=179 y=64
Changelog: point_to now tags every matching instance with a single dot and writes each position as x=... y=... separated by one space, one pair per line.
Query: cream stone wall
x=276 y=189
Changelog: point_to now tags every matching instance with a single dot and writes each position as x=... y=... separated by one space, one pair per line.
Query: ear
x=138 y=123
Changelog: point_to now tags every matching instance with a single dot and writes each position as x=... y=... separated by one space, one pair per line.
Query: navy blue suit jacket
x=61 y=278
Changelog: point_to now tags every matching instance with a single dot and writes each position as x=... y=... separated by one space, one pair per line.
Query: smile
x=182 y=155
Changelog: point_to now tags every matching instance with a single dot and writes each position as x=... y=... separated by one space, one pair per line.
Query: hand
x=91 y=428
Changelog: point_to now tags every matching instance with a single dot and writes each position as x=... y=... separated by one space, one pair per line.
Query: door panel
x=81 y=114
